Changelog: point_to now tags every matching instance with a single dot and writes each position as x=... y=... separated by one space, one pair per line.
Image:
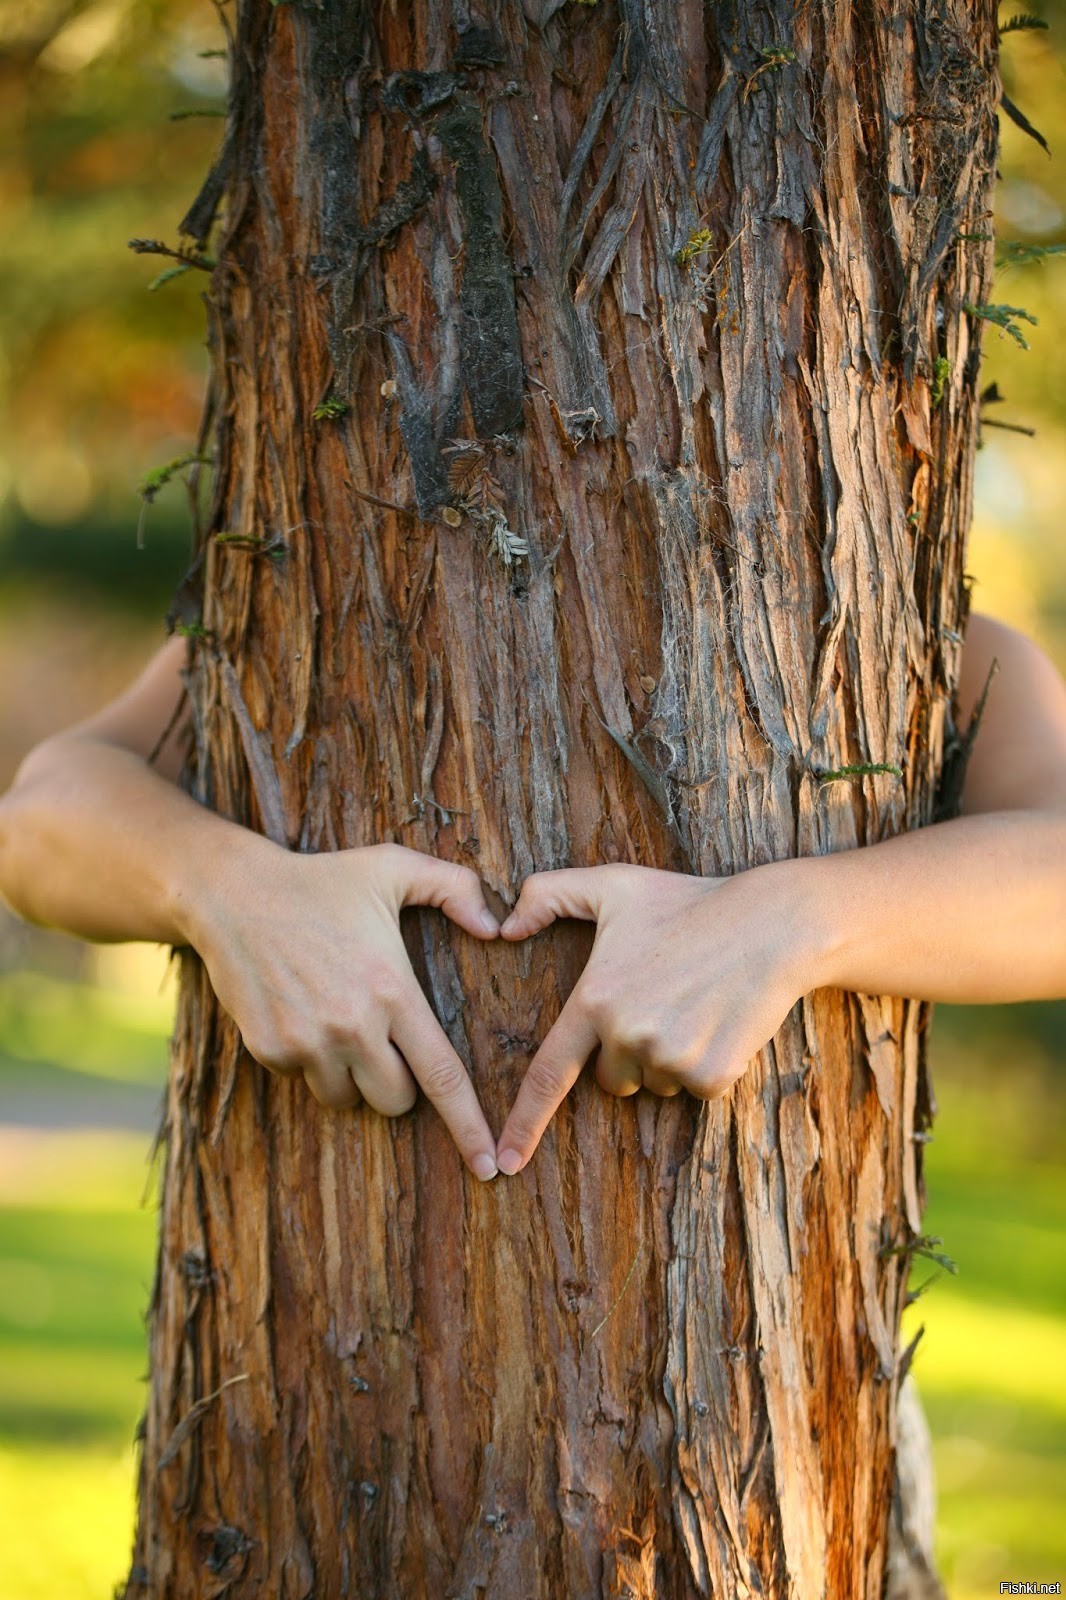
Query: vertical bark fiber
x=646 y=511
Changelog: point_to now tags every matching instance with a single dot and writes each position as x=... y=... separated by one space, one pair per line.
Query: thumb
x=427 y=881
x=574 y=892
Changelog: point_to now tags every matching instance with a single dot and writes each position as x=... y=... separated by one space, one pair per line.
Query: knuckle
x=542 y=1079
x=441 y=1078
x=397 y=1102
x=675 y=1057
x=279 y=1049
x=716 y=1080
x=348 y=1025
x=334 y=1092
x=465 y=1136
x=599 y=1004
x=256 y=1044
x=382 y=985
x=537 y=887
x=295 y=1044
x=635 y=1034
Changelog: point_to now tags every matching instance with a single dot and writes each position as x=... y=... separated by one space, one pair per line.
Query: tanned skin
x=688 y=977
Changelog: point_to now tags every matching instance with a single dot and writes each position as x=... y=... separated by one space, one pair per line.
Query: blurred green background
x=100 y=382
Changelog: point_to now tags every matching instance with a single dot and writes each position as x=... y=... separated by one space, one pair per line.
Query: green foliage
x=864 y=770
x=697 y=242
x=187 y=257
x=1018 y=253
x=941 y=373
x=159 y=477
x=1021 y=22
x=328 y=410
x=776 y=55
x=1005 y=317
x=90 y=373
x=1020 y=120
x=274 y=549
x=169 y=273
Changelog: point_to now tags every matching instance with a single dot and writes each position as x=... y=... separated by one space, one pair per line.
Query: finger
x=445 y=1081
x=385 y=1080
x=455 y=890
x=549 y=1077
x=714 y=1076
x=661 y=1083
x=616 y=1071
x=574 y=892
x=713 y=1086
x=333 y=1086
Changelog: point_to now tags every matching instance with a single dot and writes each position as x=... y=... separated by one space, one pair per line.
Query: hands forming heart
x=687 y=979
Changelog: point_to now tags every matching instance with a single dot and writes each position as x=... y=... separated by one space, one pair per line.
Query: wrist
x=210 y=876
x=809 y=902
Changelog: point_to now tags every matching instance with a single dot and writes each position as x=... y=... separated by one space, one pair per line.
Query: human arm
x=688 y=977
x=303 y=951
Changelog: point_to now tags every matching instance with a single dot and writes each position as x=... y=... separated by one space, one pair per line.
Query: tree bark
x=633 y=506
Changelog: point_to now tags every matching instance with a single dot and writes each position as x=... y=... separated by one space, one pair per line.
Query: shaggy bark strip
x=634 y=505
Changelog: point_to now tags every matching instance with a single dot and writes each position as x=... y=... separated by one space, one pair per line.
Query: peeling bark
x=623 y=542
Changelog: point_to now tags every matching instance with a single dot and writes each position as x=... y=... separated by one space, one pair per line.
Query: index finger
x=444 y=1080
x=549 y=1078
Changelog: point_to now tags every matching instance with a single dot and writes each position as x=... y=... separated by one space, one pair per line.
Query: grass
x=68 y=1515
x=76 y=1260
x=990 y=1365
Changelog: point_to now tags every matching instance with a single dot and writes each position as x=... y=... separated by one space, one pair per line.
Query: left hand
x=687 y=980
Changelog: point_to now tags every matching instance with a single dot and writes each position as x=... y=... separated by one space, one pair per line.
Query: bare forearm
x=92 y=840
x=972 y=910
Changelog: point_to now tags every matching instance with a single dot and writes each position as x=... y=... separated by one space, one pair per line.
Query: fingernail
x=509 y=1162
x=489 y=923
x=485 y=1168
x=507 y=922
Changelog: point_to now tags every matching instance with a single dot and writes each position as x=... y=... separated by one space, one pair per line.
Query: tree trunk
x=594 y=407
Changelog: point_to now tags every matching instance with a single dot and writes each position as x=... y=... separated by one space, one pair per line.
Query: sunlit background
x=108 y=119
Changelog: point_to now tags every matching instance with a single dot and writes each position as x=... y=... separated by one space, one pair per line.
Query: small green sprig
x=866 y=770
x=329 y=410
x=159 y=477
x=273 y=548
x=927 y=1245
x=941 y=373
x=694 y=246
x=776 y=55
x=169 y=273
x=185 y=257
x=1005 y=317
x=1022 y=22
x=1017 y=253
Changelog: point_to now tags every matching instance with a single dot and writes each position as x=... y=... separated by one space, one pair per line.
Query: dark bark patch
x=490 y=350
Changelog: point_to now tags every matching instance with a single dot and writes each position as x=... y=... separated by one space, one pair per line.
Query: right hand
x=306 y=955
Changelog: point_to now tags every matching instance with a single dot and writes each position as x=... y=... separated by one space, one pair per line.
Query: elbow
x=21 y=809
x=13 y=830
